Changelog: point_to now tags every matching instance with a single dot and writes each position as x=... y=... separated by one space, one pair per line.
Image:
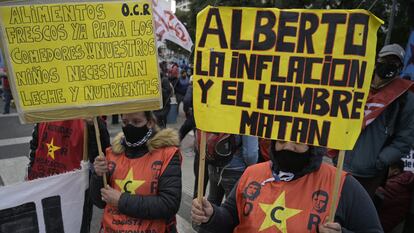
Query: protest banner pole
x=85 y=141
x=335 y=190
x=98 y=142
x=201 y=167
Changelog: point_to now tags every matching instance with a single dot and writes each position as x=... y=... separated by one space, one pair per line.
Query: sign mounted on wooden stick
x=291 y=75
x=75 y=60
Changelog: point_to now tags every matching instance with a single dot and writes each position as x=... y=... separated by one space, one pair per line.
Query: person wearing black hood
x=143 y=169
x=290 y=193
x=388 y=127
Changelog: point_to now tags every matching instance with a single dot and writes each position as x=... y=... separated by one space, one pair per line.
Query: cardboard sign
x=292 y=75
x=73 y=60
x=409 y=161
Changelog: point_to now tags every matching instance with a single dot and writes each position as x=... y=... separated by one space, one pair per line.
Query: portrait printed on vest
x=156 y=172
x=320 y=200
x=250 y=193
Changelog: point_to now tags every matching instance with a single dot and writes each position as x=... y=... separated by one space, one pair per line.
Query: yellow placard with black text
x=73 y=60
x=291 y=75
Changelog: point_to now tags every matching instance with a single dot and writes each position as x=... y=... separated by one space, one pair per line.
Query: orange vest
x=276 y=206
x=136 y=176
x=59 y=148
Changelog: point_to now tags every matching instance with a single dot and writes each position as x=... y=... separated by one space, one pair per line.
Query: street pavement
x=14 y=150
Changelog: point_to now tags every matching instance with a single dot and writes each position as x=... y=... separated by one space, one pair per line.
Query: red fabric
x=264 y=147
x=60 y=148
x=261 y=202
x=137 y=176
x=211 y=141
x=397 y=194
x=6 y=84
x=378 y=101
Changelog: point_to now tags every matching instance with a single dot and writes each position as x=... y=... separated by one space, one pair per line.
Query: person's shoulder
x=351 y=185
x=407 y=100
x=409 y=95
x=164 y=138
x=117 y=145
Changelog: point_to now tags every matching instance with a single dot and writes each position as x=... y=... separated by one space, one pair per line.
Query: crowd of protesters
x=254 y=184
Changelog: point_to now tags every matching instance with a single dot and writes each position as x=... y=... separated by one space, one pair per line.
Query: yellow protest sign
x=293 y=75
x=72 y=60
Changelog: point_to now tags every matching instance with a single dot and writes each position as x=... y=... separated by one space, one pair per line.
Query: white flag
x=50 y=204
x=168 y=27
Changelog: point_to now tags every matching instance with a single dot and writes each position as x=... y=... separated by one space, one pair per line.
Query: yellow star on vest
x=128 y=184
x=277 y=214
x=51 y=149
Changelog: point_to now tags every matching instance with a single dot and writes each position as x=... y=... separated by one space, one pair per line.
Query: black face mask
x=134 y=134
x=290 y=161
x=387 y=70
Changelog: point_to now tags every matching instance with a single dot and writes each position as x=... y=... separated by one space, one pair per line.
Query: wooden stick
x=201 y=167
x=98 y=142
x=335 y=190
x=85 y=141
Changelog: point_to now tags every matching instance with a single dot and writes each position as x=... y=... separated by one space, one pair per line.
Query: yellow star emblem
x=128 y=184
x=51 y=149
x=277 y=214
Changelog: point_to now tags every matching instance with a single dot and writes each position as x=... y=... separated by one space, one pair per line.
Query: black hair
x=158 y=162
x=149 y=116
x=320 y=192
x=313 y=150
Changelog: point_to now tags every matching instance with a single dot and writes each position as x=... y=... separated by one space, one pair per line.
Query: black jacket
x=385 y=141
x=355 y=212
x=162 y=206
x=188 y=98
x=162 y=113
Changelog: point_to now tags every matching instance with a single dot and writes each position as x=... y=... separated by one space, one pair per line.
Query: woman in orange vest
x=143 y=169
x=289 y=193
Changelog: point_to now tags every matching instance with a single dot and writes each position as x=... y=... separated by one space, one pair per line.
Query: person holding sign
x=290 y=193
x=58 y=147
x=388 y=126
x=143 y=168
